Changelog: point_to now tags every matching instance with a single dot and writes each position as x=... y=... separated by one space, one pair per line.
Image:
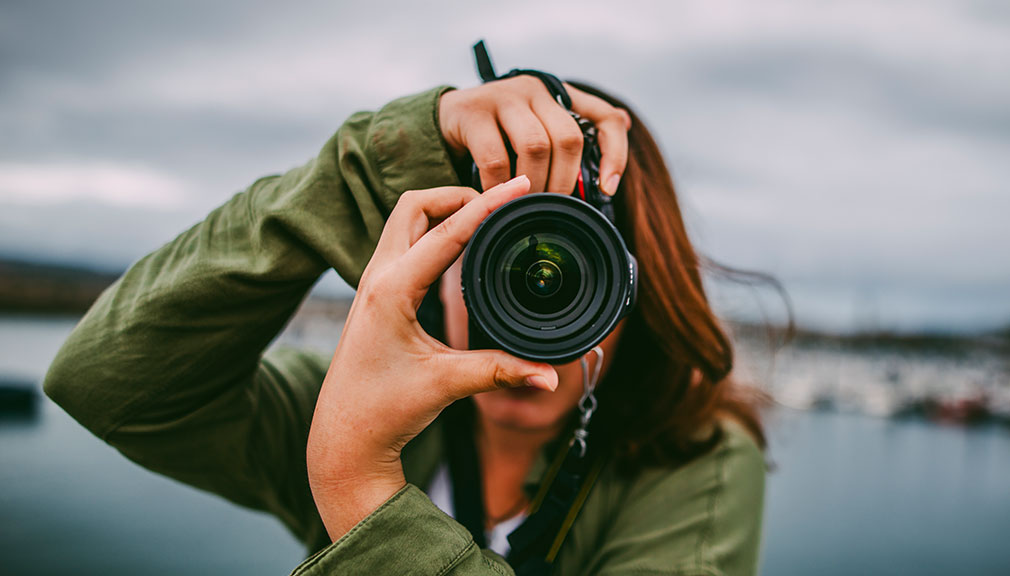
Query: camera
x=547 y=276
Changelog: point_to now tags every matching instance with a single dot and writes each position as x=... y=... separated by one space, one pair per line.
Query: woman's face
x=529 y=409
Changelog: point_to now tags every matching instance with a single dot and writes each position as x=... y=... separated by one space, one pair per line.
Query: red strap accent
x=582 y=188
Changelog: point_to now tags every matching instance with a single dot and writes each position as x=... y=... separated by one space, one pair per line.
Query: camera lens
x=543 y=275
x=546 y=277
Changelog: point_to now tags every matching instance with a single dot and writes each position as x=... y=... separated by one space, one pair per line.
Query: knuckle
x=496 y=164
x=409 y=200
x=537 y=146
x=372 y=293
x=500 y=376
x=625 y=117
x=470 y=100
x=619 y=117
x=448 y=231
x=443 y=230
x=525 y=83
x=474 y=103
x=570 y=141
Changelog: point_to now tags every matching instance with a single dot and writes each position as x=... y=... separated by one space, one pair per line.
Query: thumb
x=478 y=371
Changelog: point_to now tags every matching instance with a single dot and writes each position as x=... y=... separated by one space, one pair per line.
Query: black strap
x=486 y=70
x=464 y=469
x=484 y=66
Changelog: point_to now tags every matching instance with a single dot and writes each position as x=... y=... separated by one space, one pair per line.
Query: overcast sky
x=860 y=151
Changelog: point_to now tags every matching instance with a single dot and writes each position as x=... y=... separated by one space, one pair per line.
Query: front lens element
x=544 y=278
x=543 y=275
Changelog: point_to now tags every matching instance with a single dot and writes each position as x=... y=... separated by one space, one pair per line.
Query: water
x=70 y=503
x=851 y=494
x=854 y=494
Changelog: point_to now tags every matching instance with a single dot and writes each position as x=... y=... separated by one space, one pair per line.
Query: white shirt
x=440 y=493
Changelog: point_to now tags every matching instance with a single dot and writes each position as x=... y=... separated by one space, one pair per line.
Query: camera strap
x=464 y=469
x=487 y=74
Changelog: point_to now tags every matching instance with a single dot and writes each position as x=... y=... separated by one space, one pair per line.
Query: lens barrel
x=546 y=277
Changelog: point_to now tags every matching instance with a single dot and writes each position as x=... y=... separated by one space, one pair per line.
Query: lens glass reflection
x=544 y=276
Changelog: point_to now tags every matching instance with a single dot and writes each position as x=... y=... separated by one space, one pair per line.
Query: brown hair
x=671 y=383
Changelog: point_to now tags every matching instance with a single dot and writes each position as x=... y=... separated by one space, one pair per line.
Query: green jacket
x=168 y=366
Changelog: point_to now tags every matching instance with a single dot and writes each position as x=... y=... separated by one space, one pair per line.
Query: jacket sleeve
x=168 y=364
x=406 y=535
x=703 y=519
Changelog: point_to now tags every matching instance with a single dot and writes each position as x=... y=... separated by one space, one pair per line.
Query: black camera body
x=548 y=276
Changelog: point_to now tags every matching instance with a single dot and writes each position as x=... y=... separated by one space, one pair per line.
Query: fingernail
x=516 y=180
x=513 y=183
x=538 y=381
x=612 y=183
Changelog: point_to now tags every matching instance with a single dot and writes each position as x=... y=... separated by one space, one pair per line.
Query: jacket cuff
x=407 y=144
x=407 y=534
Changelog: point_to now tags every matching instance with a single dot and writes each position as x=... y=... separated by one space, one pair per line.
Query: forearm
x=194 y=316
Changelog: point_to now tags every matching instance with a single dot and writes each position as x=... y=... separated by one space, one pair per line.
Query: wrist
x=343 y=499
x=348 y=477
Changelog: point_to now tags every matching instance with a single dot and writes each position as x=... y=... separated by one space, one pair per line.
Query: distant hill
x=950 y=344
x=41 y=288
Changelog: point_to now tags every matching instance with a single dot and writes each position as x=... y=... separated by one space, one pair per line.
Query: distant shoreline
x=66 y=291
x=31 y=288
x=61 y=290
x=930 y=342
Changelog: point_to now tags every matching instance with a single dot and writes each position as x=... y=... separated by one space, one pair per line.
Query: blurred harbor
x=941 y=378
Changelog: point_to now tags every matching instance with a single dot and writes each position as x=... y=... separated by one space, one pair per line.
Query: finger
x=429 y=257
x=612 y=125
x=471 y=372
x=566 y=144
x=613 y=138
x=416 y=211
x=530 y=142
x=484 y=141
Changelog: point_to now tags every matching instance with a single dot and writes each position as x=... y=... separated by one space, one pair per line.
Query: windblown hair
x=670 y=385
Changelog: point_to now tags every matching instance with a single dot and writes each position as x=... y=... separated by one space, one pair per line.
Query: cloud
x=87 y=232
x=857 y=150
x=106 y=183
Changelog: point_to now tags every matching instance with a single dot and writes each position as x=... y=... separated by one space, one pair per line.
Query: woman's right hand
x=389 y=379
x=545 y=137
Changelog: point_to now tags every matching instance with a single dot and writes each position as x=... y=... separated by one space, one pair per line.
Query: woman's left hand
x=388 y=379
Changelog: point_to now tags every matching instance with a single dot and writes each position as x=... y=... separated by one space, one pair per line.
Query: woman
x=168 y=367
